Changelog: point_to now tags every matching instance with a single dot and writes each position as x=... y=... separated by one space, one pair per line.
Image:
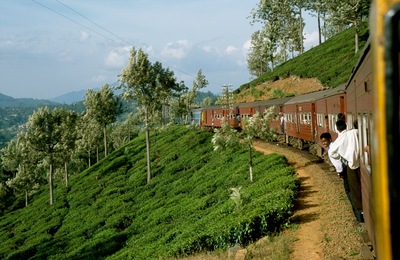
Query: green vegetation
x=109 y=210
x=330 y=62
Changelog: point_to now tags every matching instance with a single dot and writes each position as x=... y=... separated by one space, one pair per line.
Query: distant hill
x=7 y=101
x=78 y=96
x=70 y=98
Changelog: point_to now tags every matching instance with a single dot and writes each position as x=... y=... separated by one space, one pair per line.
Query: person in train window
x=346 y=148
x=326 y=140
x=282 y=122
x=238 y=119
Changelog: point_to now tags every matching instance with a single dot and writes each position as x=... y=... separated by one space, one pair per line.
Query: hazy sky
x=52 y=47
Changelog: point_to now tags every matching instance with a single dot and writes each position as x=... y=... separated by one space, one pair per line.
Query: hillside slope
x=329 y=64
x=109 y=211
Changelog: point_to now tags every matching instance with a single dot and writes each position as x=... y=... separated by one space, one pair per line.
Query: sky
x=52 y=47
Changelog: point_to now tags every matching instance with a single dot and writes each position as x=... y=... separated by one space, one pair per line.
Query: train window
x=350 y=121
x=320 y=120
x=364 y=132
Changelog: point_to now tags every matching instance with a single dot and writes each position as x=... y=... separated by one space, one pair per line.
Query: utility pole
x=227 y=99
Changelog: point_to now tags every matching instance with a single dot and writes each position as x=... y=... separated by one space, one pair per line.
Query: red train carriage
x=277 y=123
x=327 y=109
x=212 y=116
x=360 y=107
x=247 y=110
x=300 y=119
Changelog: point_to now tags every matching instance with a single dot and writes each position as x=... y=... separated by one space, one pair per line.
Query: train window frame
x=364 y=139
x=350 y=121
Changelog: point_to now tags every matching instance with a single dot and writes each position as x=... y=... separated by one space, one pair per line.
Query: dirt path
x=327 y=227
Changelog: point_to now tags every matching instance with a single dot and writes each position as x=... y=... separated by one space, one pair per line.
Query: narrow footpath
x=327 y=227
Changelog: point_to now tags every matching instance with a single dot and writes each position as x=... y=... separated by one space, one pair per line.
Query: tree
x=344 y=12
x=88 y=136
x=199 y=83
x=68 y=139
x=207 y=101
x=150 y=85
x=44 y=134
x=104 y=107
x=19 y=158
x=125 y=131
x=255 y=127
x=257 y=59
x=282 y=30
x=320 y=8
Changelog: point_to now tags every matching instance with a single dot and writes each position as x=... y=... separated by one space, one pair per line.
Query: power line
x=101 y=27
x=66 y=17
x=108 y=31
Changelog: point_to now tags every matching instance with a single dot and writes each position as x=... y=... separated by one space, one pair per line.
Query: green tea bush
x=110 y=211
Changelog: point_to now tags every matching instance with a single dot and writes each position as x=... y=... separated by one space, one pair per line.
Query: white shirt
x=346 y=146
x=337 y=163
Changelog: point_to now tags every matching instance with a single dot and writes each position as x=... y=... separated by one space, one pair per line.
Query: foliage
x=109 y=210
x=150 y=85
x=103 y=107
x=44 y=133
x=252 y=128
x=330 y=62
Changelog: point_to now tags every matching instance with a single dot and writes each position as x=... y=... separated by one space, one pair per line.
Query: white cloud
x=177 y=50
x=230 y=50
x=84 y=36
x=117 y=58
x=311 y=39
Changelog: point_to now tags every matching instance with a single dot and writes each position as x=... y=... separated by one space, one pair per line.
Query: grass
x=330 y=62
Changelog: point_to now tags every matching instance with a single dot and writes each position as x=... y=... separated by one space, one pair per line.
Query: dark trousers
x=352 y=183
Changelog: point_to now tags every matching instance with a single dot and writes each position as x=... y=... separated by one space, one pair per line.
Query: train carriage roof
x=314 y=96
x=268 y=102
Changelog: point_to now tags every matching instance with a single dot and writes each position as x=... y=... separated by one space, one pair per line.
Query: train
x=370 y=97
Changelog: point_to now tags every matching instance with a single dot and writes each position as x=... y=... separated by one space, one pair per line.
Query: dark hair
x=325 y=135
x=341 y=116
x=341 y=125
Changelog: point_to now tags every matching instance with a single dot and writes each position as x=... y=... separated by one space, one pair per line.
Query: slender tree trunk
x=26 y=198
x=105 y=140
x=355 y=36
x=147 y=146
x=324 y=30
x=89 y=162
x=319 y=28
x=66 y=173
x=51 y=183
x=301 y=33
x=97 y=153
x=251 y=164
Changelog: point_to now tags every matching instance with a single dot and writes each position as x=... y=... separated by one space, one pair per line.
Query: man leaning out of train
x=346 y=148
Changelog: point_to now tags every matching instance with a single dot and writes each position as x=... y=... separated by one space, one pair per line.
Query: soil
x=292 y=85
x=327 y=226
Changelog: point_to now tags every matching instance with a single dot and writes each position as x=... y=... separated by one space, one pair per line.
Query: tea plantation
x=110 y=211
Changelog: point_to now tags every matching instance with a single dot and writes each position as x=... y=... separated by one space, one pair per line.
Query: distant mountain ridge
x=70 y=97
x=67 y=98
x=7 y=101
